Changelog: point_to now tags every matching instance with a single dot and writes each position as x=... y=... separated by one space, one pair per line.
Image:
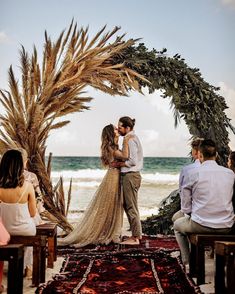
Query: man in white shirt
x=185 y=170
x=131 y=179
x=207 y=193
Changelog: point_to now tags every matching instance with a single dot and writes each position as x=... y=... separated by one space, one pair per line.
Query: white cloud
x=149 y=136
x=229 y=95
x=3 y=37
x=155 y=99
x=229 y=3
x=150 y=141
x=65 y=141
x=162 y=143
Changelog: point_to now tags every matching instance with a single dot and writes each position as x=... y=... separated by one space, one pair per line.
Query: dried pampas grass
x=48 y=92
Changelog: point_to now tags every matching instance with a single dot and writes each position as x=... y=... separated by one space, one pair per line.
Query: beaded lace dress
x=102 y=220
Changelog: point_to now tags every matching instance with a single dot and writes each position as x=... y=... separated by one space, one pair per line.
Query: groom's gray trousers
x=130 y=183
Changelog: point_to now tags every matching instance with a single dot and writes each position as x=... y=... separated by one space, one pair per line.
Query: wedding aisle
x=152 y=267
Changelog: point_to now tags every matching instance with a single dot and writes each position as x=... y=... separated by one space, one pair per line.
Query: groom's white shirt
x=135 y=160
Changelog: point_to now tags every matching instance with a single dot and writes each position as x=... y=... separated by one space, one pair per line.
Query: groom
x=131 y=179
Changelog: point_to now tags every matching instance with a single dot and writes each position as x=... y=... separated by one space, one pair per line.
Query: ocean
x=160 y=177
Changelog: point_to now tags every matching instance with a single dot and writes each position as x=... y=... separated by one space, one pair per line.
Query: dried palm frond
x=56 y=88
x=61 y=198
x=69 y=197
x=49 y=165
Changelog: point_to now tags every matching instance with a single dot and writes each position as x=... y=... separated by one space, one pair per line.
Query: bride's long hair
x=108 y=144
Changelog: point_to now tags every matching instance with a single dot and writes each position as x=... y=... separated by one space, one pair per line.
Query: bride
x=102 y=220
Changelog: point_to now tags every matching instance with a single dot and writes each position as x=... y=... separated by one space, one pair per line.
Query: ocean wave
x=79 y=174
x=89 y=184
x=160 y=178
x=91 y=178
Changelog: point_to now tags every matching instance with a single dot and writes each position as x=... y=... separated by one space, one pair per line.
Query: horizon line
x=99 y=156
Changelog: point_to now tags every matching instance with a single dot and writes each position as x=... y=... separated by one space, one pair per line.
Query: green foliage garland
x=192 y=98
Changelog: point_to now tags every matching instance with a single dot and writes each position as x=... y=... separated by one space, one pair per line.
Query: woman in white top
x=17 y=199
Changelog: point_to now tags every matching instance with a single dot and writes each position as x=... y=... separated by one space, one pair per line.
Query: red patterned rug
x=167 y=243
x=150 y=268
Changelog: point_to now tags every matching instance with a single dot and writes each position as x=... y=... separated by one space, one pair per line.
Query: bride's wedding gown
x=102 y=220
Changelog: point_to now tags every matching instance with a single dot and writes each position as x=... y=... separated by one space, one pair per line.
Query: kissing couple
x=118 y=192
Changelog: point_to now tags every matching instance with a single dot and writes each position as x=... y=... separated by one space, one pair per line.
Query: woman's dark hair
x=127 y=122
x=107 y=144
x=232 y=159
x=11 y=169
x=196 y=143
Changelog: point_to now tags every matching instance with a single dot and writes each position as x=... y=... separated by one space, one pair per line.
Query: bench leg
x=43 y=265
x=36 y=265
x=39 y=265
x=55 y=247
x=200 y=264
x=219 y=274
x=15 y=276
x=51 y=252
x=192 y=261
x=230 y=273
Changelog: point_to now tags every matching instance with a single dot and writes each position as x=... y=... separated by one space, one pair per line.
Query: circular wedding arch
x=192 y=98
x=56 y=88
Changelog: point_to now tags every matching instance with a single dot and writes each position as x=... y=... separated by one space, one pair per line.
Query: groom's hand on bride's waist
x=117 y=164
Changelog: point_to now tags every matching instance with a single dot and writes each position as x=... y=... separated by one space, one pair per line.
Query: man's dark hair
x=127 y=122
x=208 y=148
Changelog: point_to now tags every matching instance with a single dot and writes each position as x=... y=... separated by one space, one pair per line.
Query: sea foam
x=93 y=177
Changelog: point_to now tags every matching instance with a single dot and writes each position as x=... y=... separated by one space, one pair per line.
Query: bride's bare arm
x=124 y=153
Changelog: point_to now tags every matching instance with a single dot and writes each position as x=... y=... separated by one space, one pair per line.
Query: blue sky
x=201 y=31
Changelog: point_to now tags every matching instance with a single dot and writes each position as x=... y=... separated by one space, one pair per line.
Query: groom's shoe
x=131 y=241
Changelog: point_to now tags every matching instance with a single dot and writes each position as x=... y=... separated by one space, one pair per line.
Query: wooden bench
x=39 y=255
x=50 y=231
x=224 y=258
x=197 y=255
x=14 y=254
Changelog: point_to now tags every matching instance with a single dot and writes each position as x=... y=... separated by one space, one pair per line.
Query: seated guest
x=183 y=174
x=4 y=239
x=32 y=178
x=17 y=201
x=231 y=165
x=207 y=195
x=1 y=274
